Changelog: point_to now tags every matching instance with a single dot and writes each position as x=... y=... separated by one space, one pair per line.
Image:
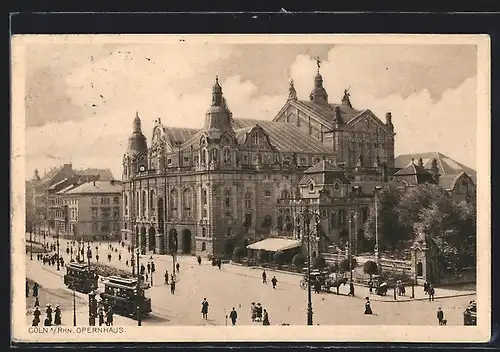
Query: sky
x=81 y=99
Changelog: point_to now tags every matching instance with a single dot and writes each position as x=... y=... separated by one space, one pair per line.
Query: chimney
x=388 y=118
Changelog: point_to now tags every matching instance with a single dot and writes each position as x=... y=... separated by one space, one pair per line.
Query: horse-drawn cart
x=326 y=280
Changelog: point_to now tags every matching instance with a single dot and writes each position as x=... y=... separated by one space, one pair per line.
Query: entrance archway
x=151 y=238
x=143 y=238
x=186 y=241
x=172 y=240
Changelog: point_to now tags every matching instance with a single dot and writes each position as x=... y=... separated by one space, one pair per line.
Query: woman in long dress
x=368 y=309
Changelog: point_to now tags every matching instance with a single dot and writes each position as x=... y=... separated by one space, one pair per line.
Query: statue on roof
x=346 y=98
x=318 y=62
x=292 y=93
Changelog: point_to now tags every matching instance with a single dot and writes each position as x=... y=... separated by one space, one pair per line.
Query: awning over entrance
x=275 y=244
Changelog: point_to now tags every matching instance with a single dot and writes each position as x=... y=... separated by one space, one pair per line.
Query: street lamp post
x=57 y=245
x=74 y=306
x=139 y=291
x=376 y=249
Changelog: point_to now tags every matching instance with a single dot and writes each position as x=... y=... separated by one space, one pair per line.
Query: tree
x=344 y=264
x=370 y=268
x=319 y=263
x=298 y=260
x=390 y=231
x=279 y=257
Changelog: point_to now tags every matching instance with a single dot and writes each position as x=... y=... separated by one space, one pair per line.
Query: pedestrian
x=219 y=263
x=440 y=316
x=37 y=302
x=233 y=316
x=57 y=315
x=172 y=287
x=426 y=287
x=265 y=318
x=166 y=277
x=253 y=311
x=199 y=260
x=264 y=277
x=317 y=286
x=431 y=293
x=120 y=257
x=351 y=289
x=147 y=278
x=178 y=267
x=27 y=288
x=109 y=257
x=370 y=285
x=36 y=317
x=101 y=316
x=109 y=317
x=143 y=269
x=153 y=268
x=149 y=267
x=49 y=313
x=368 y=308
x=274 y=281
x=204 y=308
x=403 y=290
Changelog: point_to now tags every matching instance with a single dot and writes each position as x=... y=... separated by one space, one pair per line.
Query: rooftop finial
x=318 y=63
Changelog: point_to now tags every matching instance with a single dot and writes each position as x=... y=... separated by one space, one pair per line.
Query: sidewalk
x=362 y=291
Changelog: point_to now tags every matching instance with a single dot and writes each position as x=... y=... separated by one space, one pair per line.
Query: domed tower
x=136 y=157
x=318 y=94
x=218 y=117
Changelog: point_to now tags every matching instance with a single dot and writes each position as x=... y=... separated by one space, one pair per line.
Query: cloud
x=152 y=81
x=422 y=124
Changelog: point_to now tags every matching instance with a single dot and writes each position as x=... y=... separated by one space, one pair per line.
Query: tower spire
x=137 y=123
x=217 y=93
x=318 y=94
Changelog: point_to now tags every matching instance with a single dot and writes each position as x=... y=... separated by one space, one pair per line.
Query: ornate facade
x=204 y=190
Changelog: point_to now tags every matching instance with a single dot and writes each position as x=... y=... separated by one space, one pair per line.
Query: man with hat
x=440 y=316
x=57 y=315
x=49 y=313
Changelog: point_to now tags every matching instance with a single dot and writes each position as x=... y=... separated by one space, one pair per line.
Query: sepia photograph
x=244 y=187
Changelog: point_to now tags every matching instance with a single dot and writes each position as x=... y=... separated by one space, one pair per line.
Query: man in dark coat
x=101 y=316
x=178 y=266
x=440 y=316
x=431 y=293
x=351 y=289
x=264 y=277
x=274 y=281
x=109 y=317
x=233 y=316
x=166 y=277
x=199 y=260
x=153 y=269
x=317 y=286
x=204 y=308
x=35 y=290
x=172 y=287
x=149 y=268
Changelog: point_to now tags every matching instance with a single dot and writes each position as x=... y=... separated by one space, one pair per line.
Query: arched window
x=203 y=246
x=187 y=202
x=143 y=203
x=151 y=201
x=285 y=194
x=248 y=200
x=311 y=187
x=204 y=203
x=256 y=138
x=203 y=232
x=173 y=202
x=204 y=156
x=227 y=198
x=214 y=155
x=227 y=156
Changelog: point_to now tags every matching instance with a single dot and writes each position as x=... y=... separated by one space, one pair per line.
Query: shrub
x=333 y=267
x=370 y=268
x=319 y=263
x=344 y=264
x=279 y=257
x=298 y=260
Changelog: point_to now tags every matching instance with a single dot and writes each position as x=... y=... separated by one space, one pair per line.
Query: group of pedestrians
x=50 y=319
x=274 y=280
x=429 y=290
x=105 y=316
x=259 y=314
